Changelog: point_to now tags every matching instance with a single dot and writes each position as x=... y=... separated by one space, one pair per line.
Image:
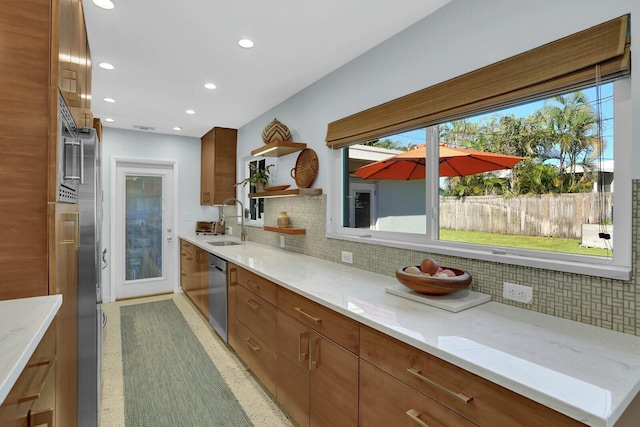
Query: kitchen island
x=587 y=373
x=23 y=323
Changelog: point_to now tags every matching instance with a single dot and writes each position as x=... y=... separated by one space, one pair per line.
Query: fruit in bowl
x=431 y=279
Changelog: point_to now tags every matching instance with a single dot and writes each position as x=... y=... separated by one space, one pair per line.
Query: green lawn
x=551 y=244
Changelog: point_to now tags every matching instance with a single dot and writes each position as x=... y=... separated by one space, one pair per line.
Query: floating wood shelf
x=287 y=230
x=286 y=193
x=278 y=148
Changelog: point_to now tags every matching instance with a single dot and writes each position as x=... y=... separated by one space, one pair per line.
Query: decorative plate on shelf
x=306 y=168
x=277 y=187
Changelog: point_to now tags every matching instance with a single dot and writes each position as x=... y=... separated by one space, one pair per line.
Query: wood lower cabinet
x=32 y=400
x=317 y=378
x=194 y=275
x=474 y=398
x=387 y=401
x=252 y=325
x=218 y=166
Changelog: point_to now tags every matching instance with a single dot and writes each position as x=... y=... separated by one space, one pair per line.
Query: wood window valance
x=565 y=64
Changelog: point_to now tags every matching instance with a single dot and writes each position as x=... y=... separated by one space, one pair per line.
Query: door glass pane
x=143 y=210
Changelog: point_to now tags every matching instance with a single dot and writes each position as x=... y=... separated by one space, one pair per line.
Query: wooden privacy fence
x=550 y=215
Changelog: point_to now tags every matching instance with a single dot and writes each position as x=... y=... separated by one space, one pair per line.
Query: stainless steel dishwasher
x=218 y=295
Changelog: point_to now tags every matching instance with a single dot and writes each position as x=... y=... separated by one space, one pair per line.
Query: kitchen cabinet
x=218 y=166
x=252 y=323
x=387 y=401
x=201 y=281
x=31 y=401
x=476 y=399
x=317 y=363
x=38 y=237
x=194 y=269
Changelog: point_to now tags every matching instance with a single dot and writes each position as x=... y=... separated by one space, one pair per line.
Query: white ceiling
x=164 y=51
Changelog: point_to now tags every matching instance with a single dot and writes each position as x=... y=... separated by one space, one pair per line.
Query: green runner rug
x=169 y=380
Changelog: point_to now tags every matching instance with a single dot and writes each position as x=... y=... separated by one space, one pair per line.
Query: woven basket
x=306 y=168
x=275 y=131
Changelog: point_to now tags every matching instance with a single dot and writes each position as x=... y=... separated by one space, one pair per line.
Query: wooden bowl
x=432 y=285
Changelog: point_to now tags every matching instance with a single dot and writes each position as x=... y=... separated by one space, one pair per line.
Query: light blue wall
x=141 y=145
x=461 y=37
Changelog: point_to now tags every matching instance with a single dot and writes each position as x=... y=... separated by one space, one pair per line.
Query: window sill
x=597 y=268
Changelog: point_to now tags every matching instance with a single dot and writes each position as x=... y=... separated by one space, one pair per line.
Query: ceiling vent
x=145 y=128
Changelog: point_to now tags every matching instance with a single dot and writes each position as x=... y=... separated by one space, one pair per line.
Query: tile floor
x=256 y=402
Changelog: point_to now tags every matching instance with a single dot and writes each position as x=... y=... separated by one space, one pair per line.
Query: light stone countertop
x=23 y=323
x=585 y=372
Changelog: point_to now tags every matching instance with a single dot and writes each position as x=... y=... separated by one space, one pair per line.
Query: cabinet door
x=202 y=281
x=218 y=166
x=334 y=383
x=63 y=275
x=293 y=367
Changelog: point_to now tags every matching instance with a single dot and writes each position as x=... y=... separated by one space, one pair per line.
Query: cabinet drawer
x=187 y=247
x=386 y=401
x=256 y=314
x=257 y=284
x=257 y=356
x=36 y=382
x=333 y=325
x=471 y=396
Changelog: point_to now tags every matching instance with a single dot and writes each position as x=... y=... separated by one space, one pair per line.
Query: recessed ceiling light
x=106 y=66
x=177 y=128
x=190 y=112
x=245 y=43
x=105 y=4
x=109 y=120
x=210 y=86
x=111 y=100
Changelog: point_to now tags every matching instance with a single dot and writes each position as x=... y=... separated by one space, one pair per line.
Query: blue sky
x=606 y=95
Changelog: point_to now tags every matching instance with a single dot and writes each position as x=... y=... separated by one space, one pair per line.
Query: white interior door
x=143 y=264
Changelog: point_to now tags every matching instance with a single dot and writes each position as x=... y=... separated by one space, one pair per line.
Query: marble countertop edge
x=35 y=315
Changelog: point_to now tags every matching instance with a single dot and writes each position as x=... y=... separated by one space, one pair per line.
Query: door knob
x=169 y=239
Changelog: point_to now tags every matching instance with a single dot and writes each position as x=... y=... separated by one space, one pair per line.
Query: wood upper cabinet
x=218 y=166
x=317 y=377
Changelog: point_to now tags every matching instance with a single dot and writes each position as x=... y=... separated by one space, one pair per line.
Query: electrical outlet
x=230 y=230
x=347 y=257
x=518 y=293
x=281 y=241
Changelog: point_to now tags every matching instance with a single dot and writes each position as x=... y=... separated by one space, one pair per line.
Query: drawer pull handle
x=415 y=417
x=253 y=285
x=302 y=355
x=233 y=272
x=307 y=315
x=251 y=344
x=252 y=304
x=34 y=394
x=416 y=373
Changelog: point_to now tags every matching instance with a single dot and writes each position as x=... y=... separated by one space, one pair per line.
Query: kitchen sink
x=224 y=243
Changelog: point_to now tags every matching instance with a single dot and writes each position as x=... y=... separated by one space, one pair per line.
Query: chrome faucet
x=243 y=232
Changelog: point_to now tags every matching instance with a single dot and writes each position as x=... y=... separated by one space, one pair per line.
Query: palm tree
x=570 y=122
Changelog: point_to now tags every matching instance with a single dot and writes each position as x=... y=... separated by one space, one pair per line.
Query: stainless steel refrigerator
x=90 y=317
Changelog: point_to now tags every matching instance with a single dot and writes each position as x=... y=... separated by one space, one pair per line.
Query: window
x=254 y=207
x=553 y=185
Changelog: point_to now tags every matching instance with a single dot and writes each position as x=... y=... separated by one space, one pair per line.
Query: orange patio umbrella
x=453 y=162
